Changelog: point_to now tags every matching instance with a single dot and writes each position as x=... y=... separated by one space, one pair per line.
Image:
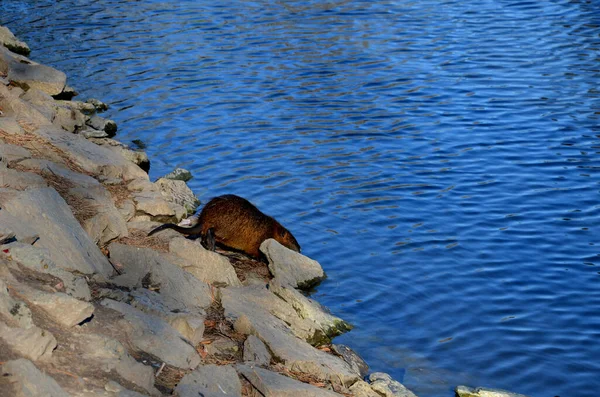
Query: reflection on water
x=439 y=158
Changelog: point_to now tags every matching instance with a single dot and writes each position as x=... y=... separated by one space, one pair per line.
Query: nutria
x=234 y=222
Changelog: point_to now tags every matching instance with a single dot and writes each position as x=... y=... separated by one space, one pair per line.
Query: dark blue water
x=439 y=158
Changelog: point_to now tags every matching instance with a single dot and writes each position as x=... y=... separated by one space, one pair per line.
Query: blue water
x=439 y=158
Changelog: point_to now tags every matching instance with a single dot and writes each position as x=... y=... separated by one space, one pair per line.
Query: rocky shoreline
x=91 y=306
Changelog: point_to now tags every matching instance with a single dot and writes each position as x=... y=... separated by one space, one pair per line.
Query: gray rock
x=178 y=192
x=98 y=105
x=16 y=180
x=28 y=381
x=210 y=381
x=111 y=355
x=68 y=119
x=39 y=260
x=14 y=309
x=13 y=153
x=43 y=102
x=33 y=343
x=383 y=384
x=353 y=359
x=102 y=124
x=223 y=346
x=10 y=125
x=290 y=267
x=190 y=326
x=272 y=384
x=117 y=390
x=257 y=298
x=256 y=352
x=251 y=318
x=22 y=112
x=127 y=210
x=62 y=308
x=45 y=213
x=135 y=156
x=107 y=223
x=205 y=265
x=179 y=174
x=81 y=107
x=362 y=389
x=143 y=265
x=8 y=39
x=311 y=311
x=93 y=133
x=154 y=206
x=28 y=74
x=464 y=391
x=95 y=159
x=153 y=335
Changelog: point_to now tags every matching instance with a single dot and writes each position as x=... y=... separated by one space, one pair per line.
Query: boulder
x=178 y=192
x=98 y=105
x=153 y=335
x=135 y=156
x=290 y=267
x=39 y=260
x=110 y=355
x=363 y=389
x=102 y=124
x=43 y=212
x=272 y=384
x=33 y=343
x=28 y=381
x=255 y=351
x=383 y=384
x=145 y=267
x=464 y=391
x=13 y=153
x=60 y=307
x=16 y=180
x=247 y=311
x=28 y=74
x=14 y=309
x=8 y=40
x=179 y=174
x=257 y=298
x=354 y=360
x=205 y=265
x=210 y=381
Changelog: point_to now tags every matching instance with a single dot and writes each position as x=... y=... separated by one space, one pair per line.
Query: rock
x=256 y=352
x=8 y=39
x=102 y=124
x=464 y=391
x=205 y=265
x=312 y=311
x=13 y=153
x=189 y=326
x=62 y=308
x=28 y=381
x=153 y=335
x=143 y=265
x=362 y=389
x=33 y=343
x=154 y=206
x=354 y=360
x=290 y=267
x=14 y=309
x=78 y=106
x=16 y=180
x=111 y=355
x=179 y=174
x=68 y=119
x=26 y=116
x=94 y=159
x=272 y=384
x=116 y=390
x=43 y=212
x=383 y=384
x=210 y=381
x=93 y=133
x=67 y=93
x=223 y=346
x=178 y=192
x=247 y=311
x=39 y=260
x=28 y=74
x=98 y=105
x=10 y=125
x=43 y=102
x=257 y=298
x=84 y=192
x=135 y=156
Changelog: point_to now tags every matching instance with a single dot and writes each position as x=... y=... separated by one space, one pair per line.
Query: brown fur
x=237 y=224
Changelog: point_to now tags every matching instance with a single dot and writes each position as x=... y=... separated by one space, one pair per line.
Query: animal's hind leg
x=208 y=240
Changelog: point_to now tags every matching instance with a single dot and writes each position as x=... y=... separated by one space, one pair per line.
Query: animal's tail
x=183 y=230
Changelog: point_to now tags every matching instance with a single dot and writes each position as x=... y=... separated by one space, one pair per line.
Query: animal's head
x=285 y=238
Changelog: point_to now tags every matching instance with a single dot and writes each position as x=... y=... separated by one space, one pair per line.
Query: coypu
x=234 y=222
